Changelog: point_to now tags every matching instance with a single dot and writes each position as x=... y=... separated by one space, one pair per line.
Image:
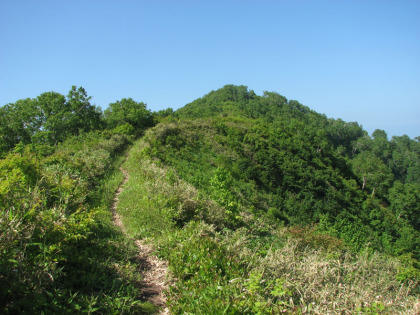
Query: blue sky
x=355 y=60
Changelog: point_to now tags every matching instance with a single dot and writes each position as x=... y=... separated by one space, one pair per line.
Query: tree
x=373 y=173
x=344 y=134
x=163 y=113
x=128 y=111
x=64 y=117
x=405 y=202
x=85 y=117
x=380 y=145
x=55 y=115
x=406 y=159
x=18 y=123
x=48 y=119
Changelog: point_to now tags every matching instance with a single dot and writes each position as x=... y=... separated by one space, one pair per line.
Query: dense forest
x=259 y=204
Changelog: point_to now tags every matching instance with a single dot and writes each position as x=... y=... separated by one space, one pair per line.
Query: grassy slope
x=255 y=268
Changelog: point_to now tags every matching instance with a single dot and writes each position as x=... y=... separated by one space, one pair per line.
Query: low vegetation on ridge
x=258 y=267
x=259 y=204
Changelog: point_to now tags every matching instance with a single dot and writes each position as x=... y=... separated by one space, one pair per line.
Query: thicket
x=58 y=249
x=59 y=252
x=51 y=118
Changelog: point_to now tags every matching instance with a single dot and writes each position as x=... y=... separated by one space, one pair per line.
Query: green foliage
x=405 y=161
x=127 y=112
x=162 y=114
x=259 y=204
x=214 y=278
x=58 y=249
x=48 y=119
x=18 y=172
x=18 y=123
x=268 y=155
x=344 y=134
x=125 y=129
x=220 y=185
x=373 y=173
x=405 y=202
x=256 y=268
x=154 y=201
x=66 y=116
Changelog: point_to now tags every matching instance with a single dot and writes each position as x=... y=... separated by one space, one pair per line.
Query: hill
x=278 y=157
x=271 y=180
x=259 y=205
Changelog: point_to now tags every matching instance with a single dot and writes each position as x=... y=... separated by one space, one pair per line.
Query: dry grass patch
x=343 y=285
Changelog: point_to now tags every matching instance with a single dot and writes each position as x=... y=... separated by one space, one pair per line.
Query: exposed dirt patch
x=154 y=270
x=154 y=275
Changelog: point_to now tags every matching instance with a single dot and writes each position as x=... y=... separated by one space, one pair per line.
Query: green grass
x=142 y=204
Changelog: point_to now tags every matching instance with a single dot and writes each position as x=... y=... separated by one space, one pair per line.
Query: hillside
x=266 y=171
x=258 y=204
x=277 y=157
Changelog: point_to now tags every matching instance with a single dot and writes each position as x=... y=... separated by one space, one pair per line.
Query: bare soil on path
x=154 y=270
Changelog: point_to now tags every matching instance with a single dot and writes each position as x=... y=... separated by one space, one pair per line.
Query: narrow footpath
x=154 y=270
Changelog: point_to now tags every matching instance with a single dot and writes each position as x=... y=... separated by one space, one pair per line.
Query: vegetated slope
x=244 y=195
x=279 y=158
x=263 y=162
x=59 y=252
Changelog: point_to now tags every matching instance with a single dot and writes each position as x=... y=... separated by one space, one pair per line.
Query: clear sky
x=355 y=60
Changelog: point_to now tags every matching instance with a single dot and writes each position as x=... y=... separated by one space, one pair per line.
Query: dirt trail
x=154 y=270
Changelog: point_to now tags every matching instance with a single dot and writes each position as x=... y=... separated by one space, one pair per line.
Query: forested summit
x=234 y=100
x=400 y=154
